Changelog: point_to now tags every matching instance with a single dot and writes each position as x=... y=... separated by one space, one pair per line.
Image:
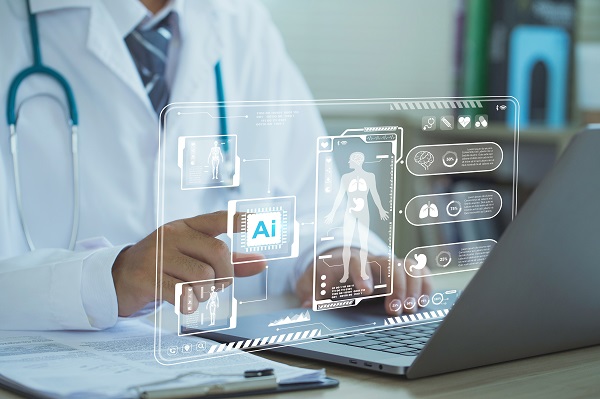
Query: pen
x=248 y=384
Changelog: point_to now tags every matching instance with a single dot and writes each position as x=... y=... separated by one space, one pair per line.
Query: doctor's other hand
x=405 y=286
x=189 y=251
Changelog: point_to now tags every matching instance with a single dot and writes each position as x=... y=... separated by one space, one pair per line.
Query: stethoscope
x=38 y=68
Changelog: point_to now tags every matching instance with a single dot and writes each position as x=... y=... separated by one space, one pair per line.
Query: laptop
x=538 y=292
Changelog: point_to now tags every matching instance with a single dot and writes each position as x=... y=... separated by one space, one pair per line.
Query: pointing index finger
x=213 y=224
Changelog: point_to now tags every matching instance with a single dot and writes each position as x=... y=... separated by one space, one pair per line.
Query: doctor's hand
x=190 y=252
x=405 y=286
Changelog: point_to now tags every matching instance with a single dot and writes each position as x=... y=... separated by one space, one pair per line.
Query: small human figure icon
x=215 y=157
x=212 y=304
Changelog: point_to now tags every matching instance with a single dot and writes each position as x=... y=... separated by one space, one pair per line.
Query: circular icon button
x=423 y=300
x=450 y=159
x=410 y=303
x=443 y=259
x=454 y=208
x=395 y=305
x=437 y=298
x=172 y=350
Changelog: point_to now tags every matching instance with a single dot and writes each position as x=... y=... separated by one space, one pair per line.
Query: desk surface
x=573 y=374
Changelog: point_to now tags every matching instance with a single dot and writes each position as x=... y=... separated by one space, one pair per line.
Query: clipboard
x=9 y=385
x=253 y=382
x=326 y=382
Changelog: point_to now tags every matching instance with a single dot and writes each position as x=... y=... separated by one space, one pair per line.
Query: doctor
x=92 y=43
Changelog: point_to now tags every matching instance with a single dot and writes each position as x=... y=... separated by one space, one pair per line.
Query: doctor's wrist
x=131 y=294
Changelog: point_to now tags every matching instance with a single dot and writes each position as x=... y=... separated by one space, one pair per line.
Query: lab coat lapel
x=194 y=82
x=200 y=51
x=110 y=48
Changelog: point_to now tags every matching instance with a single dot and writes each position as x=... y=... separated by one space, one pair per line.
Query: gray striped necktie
x=149 y=49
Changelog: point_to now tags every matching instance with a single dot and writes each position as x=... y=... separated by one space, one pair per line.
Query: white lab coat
x=54 y=288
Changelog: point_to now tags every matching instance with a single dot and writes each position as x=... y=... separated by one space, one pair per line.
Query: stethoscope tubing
x=38 y=68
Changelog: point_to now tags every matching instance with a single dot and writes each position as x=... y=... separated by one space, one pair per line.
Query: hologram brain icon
x=424 y=158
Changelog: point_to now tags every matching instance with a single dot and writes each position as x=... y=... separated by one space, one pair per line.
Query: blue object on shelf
x=530 y=46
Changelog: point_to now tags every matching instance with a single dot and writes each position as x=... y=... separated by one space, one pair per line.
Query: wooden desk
x=573 y=374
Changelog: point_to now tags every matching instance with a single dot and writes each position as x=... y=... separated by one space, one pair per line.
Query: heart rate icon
x=464 y=121
x=324 y=144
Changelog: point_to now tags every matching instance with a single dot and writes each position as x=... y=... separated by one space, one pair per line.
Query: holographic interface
x=344 y=201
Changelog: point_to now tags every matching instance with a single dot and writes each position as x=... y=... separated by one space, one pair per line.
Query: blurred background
x=404 y=48
x=546 y=53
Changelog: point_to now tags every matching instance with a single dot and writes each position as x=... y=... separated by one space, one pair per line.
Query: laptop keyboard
x=406 y=341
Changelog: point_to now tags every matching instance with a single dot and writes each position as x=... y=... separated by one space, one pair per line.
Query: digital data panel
x=205 y=306
x=354 y=203
x=208 y=161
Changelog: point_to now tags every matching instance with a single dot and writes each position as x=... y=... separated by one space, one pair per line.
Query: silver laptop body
x=538 y=292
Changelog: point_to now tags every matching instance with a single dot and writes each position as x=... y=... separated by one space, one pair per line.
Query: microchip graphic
x=265 y=229
x=267 y=226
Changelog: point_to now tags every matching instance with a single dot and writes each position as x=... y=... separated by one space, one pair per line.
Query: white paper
x=107 y=363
